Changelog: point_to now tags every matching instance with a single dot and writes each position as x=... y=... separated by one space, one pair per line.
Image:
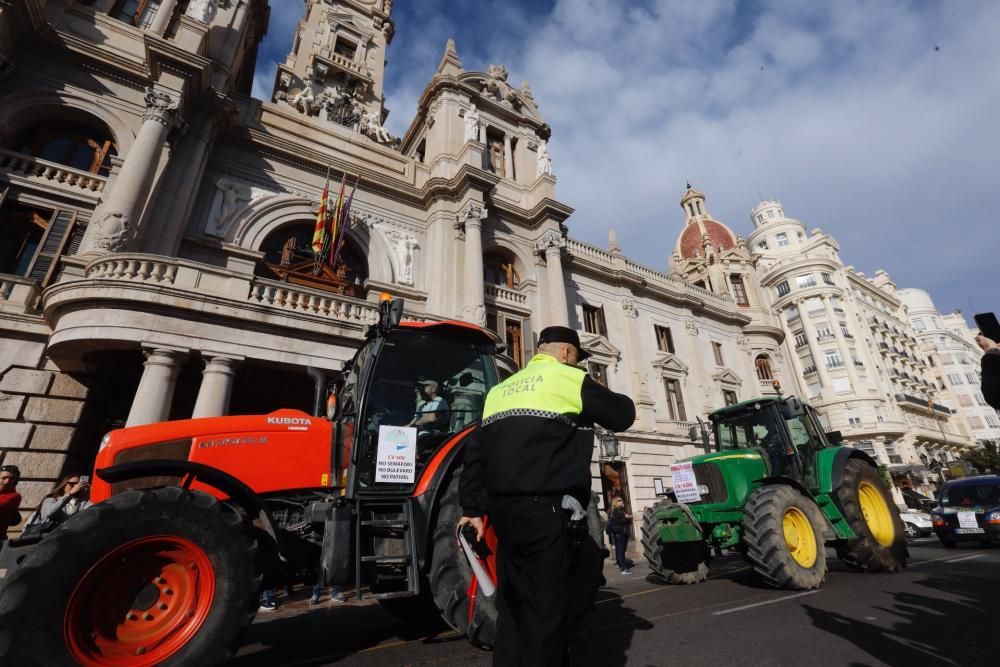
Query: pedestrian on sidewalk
x=10 y=499
x=618 y=528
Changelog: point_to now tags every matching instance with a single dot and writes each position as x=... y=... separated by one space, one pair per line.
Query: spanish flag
x=338 y=240
x=334 y=220
x=319 y=230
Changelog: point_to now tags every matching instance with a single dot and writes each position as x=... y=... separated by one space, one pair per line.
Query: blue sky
x=875 y=121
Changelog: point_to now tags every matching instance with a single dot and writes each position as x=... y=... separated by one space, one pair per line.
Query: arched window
x=288 y=256
x=499 y=270
x=763 y=367
x=70 y=143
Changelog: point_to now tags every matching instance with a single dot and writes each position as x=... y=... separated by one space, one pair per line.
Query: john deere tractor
x=779 y=490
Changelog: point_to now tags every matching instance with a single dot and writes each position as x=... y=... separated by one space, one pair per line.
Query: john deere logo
x=290 y=421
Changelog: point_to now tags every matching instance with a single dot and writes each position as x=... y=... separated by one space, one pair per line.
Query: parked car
x=968 y=510
x=916 y=523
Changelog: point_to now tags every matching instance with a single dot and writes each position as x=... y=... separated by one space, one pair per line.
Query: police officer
x=533 y=447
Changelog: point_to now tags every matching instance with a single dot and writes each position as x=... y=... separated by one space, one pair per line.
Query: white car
x=917 y=524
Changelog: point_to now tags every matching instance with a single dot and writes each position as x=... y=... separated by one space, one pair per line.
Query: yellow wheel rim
x=799 y=537
x=876 y=513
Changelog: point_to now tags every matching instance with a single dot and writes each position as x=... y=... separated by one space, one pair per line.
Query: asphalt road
x=944 y=609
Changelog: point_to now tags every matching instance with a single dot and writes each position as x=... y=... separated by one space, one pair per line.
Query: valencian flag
x=320 y=228
x=344 y=219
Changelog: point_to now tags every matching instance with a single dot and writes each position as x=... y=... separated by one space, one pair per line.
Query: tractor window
x=434 y=383
x=752 y=429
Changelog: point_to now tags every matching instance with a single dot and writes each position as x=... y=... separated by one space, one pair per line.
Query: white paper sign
x=967 y=520
x=397 y=454
x=685 y=483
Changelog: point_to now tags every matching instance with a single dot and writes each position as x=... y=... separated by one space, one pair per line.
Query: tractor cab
x=785 y=431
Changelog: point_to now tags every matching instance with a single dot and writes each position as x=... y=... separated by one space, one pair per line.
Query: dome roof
x=689 y=244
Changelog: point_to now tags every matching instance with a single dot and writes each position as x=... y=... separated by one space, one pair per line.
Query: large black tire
x=42 y=594
x=676 y=563
x=865 y=552
x=450 y=575
x=777 y=522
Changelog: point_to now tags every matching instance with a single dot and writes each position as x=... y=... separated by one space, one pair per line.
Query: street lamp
x=609 y=445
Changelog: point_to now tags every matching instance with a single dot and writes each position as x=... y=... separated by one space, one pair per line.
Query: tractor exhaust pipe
x=319 y=391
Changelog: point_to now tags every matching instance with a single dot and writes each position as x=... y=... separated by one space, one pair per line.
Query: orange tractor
x=193 y=518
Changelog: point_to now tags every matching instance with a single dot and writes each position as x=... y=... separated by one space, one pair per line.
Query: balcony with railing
x=18 y=294
x=495 y=294
x=32 y=171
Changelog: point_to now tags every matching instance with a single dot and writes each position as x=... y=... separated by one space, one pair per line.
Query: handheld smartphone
x=988 y=325
x=85 y=479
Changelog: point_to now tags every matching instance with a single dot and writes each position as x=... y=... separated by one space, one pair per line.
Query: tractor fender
x=828 y=531
x=238 y=492
x=840 y=459
x=430 y=487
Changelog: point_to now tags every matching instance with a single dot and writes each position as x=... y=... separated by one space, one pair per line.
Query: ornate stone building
x=156 y=223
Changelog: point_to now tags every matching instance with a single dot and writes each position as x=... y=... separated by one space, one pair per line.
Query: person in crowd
x=431 y=410
x=990 y=370
x=268 y=600
x=10 y=499
x=529 y=459
x=67 y=498
x=618 y=527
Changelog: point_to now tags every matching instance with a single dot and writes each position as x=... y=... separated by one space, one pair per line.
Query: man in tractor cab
x=532 y=449
x=432 y=409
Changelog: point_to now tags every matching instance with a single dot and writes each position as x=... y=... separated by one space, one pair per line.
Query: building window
x=675 y=402
x=72 y=144
x=853 y=417
x=792 y=313
x=499 y=270
x=760 y=217
x=971 y=377
x=979 y=399
x=954 y=378
x=854 y=358
x=763 y=368
x=833 y=359
x=664 y=341
x=808 y=280
x=770 y=214
x=866 y=446
x=782 y=288
x=139 y=13
x=827 y=278
x=814 y=389
x=841 y=384
x=835 y=302
x=739 y=291
x=992 y=420
x=823 y=331
x=494 y=146
x=918 y=324
x=717 y=351
x=975 y=422
x=762 y=245
x=598 y=372
x=345 y=48
x=729 y=396
x=878 y=415
x=800 y=339
x=782 y=238
x=845 y=331
x=965 y=400
x=32 y=239
x=593 y=320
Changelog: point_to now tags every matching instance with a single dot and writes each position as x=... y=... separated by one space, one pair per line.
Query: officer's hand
x=474 y=521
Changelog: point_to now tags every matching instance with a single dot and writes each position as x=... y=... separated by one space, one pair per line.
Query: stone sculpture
x=544 y=165
x=202 y=10
x=472 y=124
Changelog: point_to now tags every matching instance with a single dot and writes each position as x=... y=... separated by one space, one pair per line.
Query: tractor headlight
x=993 y=517
x=703 y=489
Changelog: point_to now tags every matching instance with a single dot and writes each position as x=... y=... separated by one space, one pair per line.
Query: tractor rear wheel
x=161 y=577
x=781 y=529
x=880 y=545
x=676 y=562
x=451 y=576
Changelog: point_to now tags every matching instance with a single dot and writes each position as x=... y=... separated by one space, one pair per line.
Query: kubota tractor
x=193 y=518
x=779 y=490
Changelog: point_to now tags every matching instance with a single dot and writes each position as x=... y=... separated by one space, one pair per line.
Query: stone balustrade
x=134 y=267
x=503 y=295
x=312 y=301
x=576 y=247
x=35 y=168
x=18 y=294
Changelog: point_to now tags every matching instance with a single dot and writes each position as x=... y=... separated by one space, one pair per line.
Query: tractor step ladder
x=369 y=527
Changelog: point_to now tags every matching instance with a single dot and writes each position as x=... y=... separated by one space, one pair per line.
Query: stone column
x=838 y=335
x=163 y=15
x=216 y=387
x=810 y=333
x=508 y=157
x=552 y=244
x=155 y=394
x=114 y=224
x=474 y=306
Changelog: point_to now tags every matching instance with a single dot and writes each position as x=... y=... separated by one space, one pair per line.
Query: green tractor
x=779 y=490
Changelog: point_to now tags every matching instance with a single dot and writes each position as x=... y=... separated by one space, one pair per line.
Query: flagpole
x=319 y=229
x=343 y=225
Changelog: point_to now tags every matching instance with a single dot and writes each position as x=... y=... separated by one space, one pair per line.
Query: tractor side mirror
x=395 y=313
x=834 y=437
x=693 y=433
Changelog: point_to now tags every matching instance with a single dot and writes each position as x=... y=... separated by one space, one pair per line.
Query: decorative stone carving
x=305 y=101
x=544 y=164
x=371 y=127
x=472 y=124
x=743 y=343
x=402 y=245
x=160 y=107
x=495 y=85
x=691 y=326
x=629 y=306
x=526 y=91
x=475 y=313
x=113 y=231
x=552 y=242
x=202 y=11
x=474 y=211
x=230 y=197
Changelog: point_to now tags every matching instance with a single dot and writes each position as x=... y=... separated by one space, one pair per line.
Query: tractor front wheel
x=880 y=545
x=781 y=529
x=162 y=577
x=674 y=562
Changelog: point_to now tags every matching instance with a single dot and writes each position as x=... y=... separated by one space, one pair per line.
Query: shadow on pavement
x=947 y=624
x=606 y=633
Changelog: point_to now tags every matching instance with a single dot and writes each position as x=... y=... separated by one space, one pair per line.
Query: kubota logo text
x=292 y=421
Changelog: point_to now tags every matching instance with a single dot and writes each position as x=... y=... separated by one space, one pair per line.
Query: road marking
x=950 y=559
x=668 y=587
x=959 y=560
x=760 y=604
